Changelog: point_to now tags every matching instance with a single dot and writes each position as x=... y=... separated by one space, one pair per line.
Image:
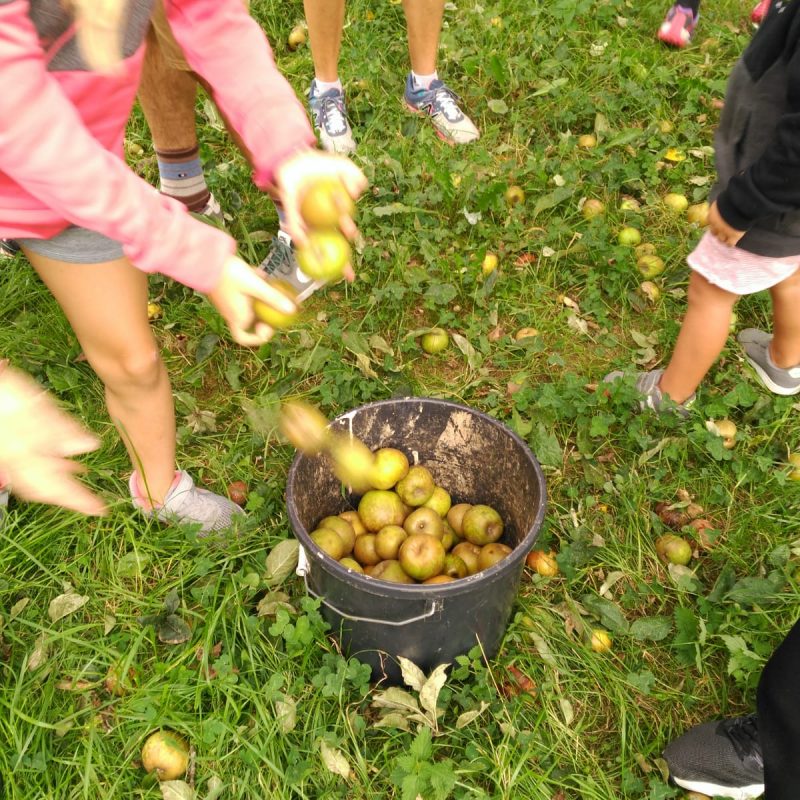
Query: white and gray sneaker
x=186 y=503
x=647 y=384
x=755 y=344
x=330 y=120
x=440 y=103
x=719 y=759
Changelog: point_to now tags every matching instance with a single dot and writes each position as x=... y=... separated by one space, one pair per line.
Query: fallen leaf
x=282 y=560
x=65 y=604
x=176 y=790
x=334 y=760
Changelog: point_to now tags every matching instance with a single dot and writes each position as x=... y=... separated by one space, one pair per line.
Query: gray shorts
x=76 y=246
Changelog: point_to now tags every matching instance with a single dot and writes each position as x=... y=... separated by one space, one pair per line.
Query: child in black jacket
x=753 y=241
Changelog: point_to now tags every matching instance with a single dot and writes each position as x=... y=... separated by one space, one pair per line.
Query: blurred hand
x=295 y=174
x=233 y=297
x=37 y=441
x=721 y=229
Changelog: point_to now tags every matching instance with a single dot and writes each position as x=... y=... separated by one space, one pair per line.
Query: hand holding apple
x=295 y=176
x=239 y=286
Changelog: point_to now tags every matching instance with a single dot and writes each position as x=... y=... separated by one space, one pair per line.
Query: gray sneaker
x=4 y=497
x=755 y=344
x=281 y=263
x=8 y=248
x=330 y=120
x=652 y=396
x=186 y=503
x=440 y=103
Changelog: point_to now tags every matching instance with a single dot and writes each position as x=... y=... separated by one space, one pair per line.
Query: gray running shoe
x=652 y=396
x=8 y=248
x=755 y=344
x=720 y=759
x=330 y=120
x=281 y=263
x=440 y=103
x=187 y=504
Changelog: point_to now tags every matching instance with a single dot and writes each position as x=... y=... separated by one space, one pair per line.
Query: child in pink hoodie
x=92 y=229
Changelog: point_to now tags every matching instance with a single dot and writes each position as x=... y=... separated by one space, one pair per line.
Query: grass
x=592 y=728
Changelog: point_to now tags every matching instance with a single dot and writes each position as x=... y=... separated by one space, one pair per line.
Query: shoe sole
x=775 y=388
x=717 y=790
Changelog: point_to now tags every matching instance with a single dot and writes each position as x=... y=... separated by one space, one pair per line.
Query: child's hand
x=295 y=174
x=233 y=297
x=721 y=229
x=37 y=442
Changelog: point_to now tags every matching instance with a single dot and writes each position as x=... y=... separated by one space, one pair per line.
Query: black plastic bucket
x=478 y=460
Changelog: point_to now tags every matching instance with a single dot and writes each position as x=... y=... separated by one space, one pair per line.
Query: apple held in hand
x=325 y=202
x=325 y=257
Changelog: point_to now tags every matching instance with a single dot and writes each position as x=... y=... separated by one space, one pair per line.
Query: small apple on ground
x=237 y=491
x=697 y=214
x=489 y=263
x=154 y=311
x=587 y=141
x=672 y=549
x=167 y=754
x=794 y=461
x=600 y=641
x=646 y=249
x=629 y=237
x=543 y=563
x=514 y=195
x=650 y=291
x=726 y=429
x=297 y=37
x=650 y=266
x=593 y=208
x=676 y=202
x=435 y=341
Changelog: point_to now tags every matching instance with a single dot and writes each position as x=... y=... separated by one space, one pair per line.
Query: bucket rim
x=419 y=590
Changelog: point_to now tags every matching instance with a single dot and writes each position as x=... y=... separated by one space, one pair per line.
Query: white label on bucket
x=302 y=562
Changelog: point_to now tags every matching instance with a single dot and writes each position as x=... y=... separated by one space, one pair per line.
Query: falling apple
x=525 y=333
x=600 y=641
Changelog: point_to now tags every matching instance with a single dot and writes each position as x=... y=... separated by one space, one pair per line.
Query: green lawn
x=268 y=702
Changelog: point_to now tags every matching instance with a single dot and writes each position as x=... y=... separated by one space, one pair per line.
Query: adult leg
x=326 y=99
x=778 y=705
x=424 y=92
x=325 y=19
x=424 y=23
x=106 y=304
x=701 y=339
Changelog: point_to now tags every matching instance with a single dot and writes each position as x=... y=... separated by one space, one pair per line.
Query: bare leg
x=785 y=346
x=424 y=21
x=703 y=333
x=167 y=96
x=106 y=304
x=325 y=19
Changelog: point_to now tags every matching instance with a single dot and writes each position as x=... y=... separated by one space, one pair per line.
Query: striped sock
x=182 y=177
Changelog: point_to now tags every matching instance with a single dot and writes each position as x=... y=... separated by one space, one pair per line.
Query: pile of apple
x=406 y=530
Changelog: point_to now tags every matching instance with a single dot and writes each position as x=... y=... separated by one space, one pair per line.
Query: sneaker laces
x=446 y=101
x=743 y=734
x=332 y=116
x=279 y=260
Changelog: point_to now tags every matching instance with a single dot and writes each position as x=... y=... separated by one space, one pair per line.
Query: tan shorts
x=162 y=35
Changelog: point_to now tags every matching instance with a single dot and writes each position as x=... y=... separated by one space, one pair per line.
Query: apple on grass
x=435 y=341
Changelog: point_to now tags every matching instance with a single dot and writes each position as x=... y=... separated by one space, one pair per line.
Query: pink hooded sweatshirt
x=62 y=128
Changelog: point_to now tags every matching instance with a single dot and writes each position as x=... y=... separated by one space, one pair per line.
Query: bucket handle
x=433 y=606
x=302 y=570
